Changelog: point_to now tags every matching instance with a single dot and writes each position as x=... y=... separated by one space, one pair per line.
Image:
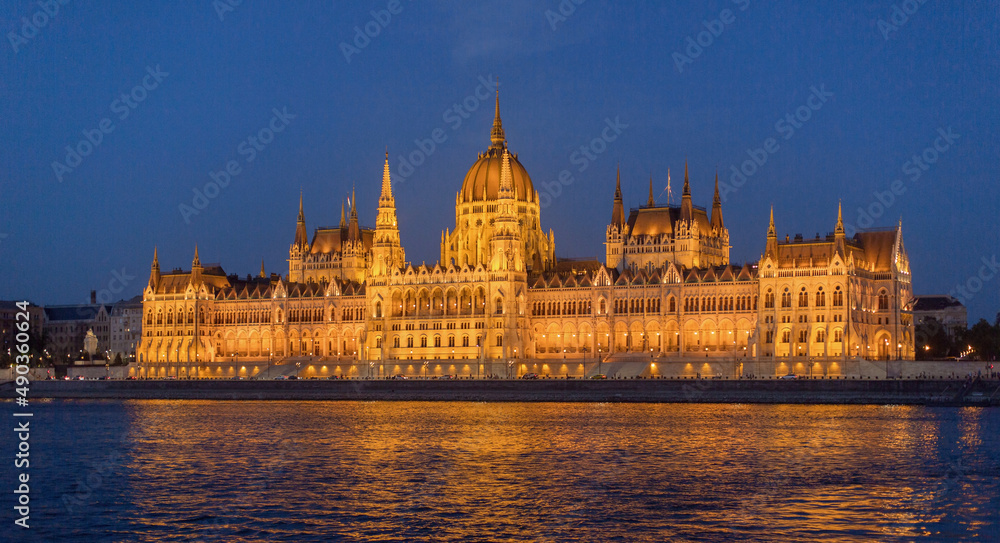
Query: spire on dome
x=506 y=189
x=497 y=137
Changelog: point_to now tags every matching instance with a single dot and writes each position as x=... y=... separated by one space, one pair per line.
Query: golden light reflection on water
x=460 y=471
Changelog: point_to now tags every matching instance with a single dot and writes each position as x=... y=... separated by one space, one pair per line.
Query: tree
x=983 y=339
x=933 y=342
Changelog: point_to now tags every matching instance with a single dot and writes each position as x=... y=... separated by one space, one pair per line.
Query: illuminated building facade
x=498 y=302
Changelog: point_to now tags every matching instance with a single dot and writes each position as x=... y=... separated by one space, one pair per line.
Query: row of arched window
x=570 y=307
x=696 y=304
x=436 y=342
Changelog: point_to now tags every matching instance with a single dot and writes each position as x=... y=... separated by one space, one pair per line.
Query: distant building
x=945 y=309
x=126 y=328
x=67 y=325
x=9 y=320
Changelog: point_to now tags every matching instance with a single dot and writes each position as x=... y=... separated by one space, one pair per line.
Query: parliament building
x=666 y=300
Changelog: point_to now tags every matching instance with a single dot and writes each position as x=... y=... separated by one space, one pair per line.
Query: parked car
x=530 y=376
x=400 y=377
x=789 y=376
x=281 y=378
x=599 y=376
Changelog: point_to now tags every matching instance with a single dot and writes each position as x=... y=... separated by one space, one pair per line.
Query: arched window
x=786 y=298
x=437 y=341
x=820 y=335
x=395 y=342
x=499 y=340
x=378 y=310
x=838 y=297
x=803 y=298
x=451 y=341
x=768 y=299
x=465 y=341
x=499 y=305
x=883 y=301
x=170 y=316
x=149 y=317
x=820 y=298
x=423 y=341
x=409 y=342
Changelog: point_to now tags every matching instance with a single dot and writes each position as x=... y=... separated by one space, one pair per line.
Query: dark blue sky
x=938 y=69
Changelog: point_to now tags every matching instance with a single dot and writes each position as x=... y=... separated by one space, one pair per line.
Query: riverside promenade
x=980 y=392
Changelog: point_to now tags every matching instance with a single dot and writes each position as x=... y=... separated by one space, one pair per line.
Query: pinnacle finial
x=497 y=137
x=770 y=227
x=343 y=217
x=840 y=219
x=687 y=186
x=262 y=267
x=196 y=261
x=302 y=216
x=716 y=200
x=156 y=259
x=652 y=201
x=386 y=197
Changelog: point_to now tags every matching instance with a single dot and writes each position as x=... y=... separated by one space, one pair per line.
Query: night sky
x=197 y=85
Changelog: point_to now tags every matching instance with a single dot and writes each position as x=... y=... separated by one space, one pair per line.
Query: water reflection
x=245 y=471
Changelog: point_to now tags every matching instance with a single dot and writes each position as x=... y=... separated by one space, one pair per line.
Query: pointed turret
x=651 y=202
x=154 y=271
x=343 y=217
x=717 y=223
x=262 y=274
x=301 y=238
x=497 y=138
x=387 y=250
x=618 y=211
x=196 y=268
x=772 y=239
x=353 y=230
x=839 y=245
x=687 y=208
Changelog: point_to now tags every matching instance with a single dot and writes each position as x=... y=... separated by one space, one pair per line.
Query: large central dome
x=483 y=180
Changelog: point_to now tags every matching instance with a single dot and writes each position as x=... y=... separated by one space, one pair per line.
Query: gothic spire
x=386 y=198
x=497 y=137
x=343 y=217
x=196 y=261
x=353 y=230
x=771 y=249
x=262 y=268
x=652 y=201
x=770 y=228
x=717 y=206
x=687 y=208
x=506 y=189
x=301 y=238
x=154 y=271
x=839 y=231
x=618 y=211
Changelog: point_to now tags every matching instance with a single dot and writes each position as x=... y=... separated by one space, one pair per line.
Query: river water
x=450 y=471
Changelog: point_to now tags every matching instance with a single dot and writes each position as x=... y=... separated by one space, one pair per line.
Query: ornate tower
x=387 y=252
x=614 y=243
x=355 y=263
x=154 y=272
x=299 y=248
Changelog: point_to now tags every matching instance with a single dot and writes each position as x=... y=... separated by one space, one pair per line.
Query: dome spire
x=497 y=137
